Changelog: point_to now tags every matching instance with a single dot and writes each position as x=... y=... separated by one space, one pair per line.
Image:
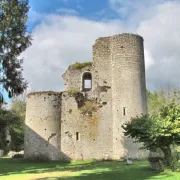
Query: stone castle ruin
x=84 y=121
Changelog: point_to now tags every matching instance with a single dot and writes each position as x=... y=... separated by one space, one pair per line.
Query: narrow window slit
x=124 y=111
x=77 y=136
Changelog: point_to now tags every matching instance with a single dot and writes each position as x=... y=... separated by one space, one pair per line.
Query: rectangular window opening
x=87 y=84
x=77 y=136
x=124 y=111
x=87 y=81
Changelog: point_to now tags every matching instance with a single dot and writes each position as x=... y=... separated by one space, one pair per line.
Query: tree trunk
x=167 y=155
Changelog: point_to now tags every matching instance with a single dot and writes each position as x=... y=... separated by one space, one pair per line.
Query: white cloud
x=129 y=7
x=149 y=59
x=161 y=33
x=34 y=16
x=58 y=42
x=62 y=40
x=67 y=11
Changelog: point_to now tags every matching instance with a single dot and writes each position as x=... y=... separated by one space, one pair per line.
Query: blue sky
x=91 y=9
x=64 y=31
x=84 y=7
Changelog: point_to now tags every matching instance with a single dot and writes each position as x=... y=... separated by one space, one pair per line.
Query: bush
x=17 y=136
x=155 y=159
x=18 y=156
x=160 y=131
x=79 y=65
x=12 y=119
x=174 y=163
x=73 y=92
x=2 y=144
x=2 y=137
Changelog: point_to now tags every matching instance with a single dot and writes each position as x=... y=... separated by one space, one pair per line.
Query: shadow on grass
x=20 y=166
x=97 y=170
x=111 y=171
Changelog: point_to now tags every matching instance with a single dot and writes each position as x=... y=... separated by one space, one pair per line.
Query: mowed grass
x=18 y=169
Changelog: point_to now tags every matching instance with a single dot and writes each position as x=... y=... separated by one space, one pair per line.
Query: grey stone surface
x=11 y=154
x=87 y=124
x=43 y=126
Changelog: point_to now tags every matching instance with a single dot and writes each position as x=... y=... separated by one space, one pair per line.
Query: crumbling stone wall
x=73 y=77
x=43 y=126
x=58 y=129
x=128 y=88
x=94 y=141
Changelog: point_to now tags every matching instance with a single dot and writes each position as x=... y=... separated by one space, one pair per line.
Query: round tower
x=128 y=88
x=42 y=126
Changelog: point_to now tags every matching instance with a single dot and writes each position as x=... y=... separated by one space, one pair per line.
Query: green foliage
x=17 y=128
x=79 y=65
x=7 y=119
x=157 y=131
x=13 y=119
x=13 y=41
x=19 y=107
x=157 y=99
x=73 y=92
x=2 y=137
x=78 y=97
x=155 y=159
x=17 y=135
x=174 y=164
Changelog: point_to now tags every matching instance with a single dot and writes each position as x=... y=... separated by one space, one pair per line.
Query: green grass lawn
x=18 y=169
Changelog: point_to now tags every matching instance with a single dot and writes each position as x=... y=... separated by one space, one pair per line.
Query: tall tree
x=14 y=39
x=16 y=127
x=12 y=119
x=159 y=98
x=158 y=131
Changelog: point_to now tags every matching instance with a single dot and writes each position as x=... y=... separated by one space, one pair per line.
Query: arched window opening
x=87 y=81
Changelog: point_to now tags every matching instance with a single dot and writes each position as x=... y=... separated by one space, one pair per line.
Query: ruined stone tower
x=84 y=121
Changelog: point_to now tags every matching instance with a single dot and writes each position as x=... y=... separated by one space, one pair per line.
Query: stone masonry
x=85 y=122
